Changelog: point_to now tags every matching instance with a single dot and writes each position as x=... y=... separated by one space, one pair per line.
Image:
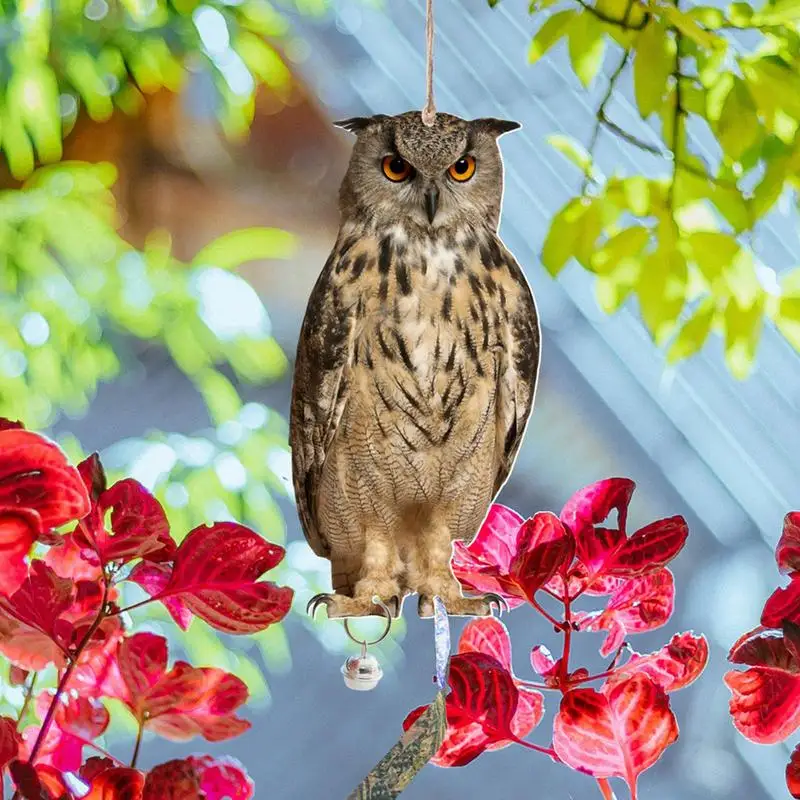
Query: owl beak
x=431 y=203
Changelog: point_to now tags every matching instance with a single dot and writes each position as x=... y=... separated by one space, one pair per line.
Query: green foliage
x=104 y=55
x=678 y=240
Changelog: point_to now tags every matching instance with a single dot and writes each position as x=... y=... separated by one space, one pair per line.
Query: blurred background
x=151 y=312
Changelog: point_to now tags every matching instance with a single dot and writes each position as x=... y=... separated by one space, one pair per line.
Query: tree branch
x=619 y=23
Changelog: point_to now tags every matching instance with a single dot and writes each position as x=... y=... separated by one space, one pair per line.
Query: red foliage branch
x=765 y=702
x=60 y=607
x=617 y=730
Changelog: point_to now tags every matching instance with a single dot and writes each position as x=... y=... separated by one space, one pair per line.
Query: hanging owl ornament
x=416 y=369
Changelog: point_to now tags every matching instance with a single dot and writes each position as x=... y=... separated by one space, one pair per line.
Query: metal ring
x=363 y=642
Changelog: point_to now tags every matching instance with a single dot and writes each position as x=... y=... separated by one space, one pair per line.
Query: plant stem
x=549 y=617
x=678 y=121
x=548 y=751
x=605 y=789
x=567 y=637
x=620 y=23
x=542 y=687
x=28 y=695
x=138 y=745
x=64 y=680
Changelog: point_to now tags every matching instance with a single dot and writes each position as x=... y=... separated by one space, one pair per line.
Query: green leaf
x=713 y=253
x=627 y=244
x=248 y=244
x=743 y=326
x=653 y=64
x=787 y=320
x=688 y=27
x=662 y=290
x=779 y=13
x=572 y=150
x=637 y=195
x=738 y=128
x=220 y=395
x=587 y=46
x=709 y=17
x=554 y=29
x=573 y=233
x=694 y=332
x=770 y=187
x=403 y=762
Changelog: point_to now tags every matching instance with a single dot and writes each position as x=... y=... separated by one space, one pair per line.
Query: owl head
x=446 y=175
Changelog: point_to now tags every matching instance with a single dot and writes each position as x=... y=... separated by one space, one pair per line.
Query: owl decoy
x=416 y=366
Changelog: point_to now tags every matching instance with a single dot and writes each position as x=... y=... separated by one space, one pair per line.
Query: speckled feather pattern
x=414 y=381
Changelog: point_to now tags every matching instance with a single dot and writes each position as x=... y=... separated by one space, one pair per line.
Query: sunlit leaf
x=653 y=63
x=587 y=46
x=694 y=332
x=555 y=28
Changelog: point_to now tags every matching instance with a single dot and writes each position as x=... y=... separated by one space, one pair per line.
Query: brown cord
x=429 y=112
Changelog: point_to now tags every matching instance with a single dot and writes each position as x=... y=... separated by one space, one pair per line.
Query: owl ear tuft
x=357 y=125
x=497 y=127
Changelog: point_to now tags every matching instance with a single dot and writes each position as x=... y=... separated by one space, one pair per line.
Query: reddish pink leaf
x=97 y=673
x=154 y=579
x=543 y=662
x=31 y=634
x=180 y=703
x=7 y=424
x=77 y=722
x=93 y=766
x=480 y=709
x=479 y=565
x=10 y=741
x=589 y=507
x=35 y=474
x=17 y=676
x=787 y=553
x=139 y=527
x=620 y=732
x=222 y=778
x=649 y=549
x=640 y=604
x=674 y=666
x=70 y=560
x=93 y=476
x=793 y=773
x=19 y=529
x=766 y=703
x=215 y=576
x=783 y=604
x=489 y=636
x=174 y=780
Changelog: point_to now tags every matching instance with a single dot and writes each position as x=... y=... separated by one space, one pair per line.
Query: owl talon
x=496 y=600
x=317 y=600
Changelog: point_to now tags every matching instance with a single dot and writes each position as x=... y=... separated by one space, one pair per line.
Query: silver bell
x=362 y=672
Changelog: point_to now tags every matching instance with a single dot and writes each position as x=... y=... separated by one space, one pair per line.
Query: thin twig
x=137 y=747
x=549 y=617
x=28 y=695
x=677 y=122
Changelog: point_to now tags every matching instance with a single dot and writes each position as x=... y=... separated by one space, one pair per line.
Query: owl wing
x=518 y=371
x=319 y=392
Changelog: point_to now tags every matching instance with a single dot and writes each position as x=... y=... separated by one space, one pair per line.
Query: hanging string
x=429 y=112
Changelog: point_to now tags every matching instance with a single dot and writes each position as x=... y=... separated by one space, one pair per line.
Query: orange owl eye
x=463 y=169
x=396 y=169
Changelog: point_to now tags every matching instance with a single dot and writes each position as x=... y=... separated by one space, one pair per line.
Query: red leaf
x=117 y=783
x=19 y=529
x=590 y=506
x=31 y=635
x=17 y=676
x=760 y=648
x=793 y=773
x=650 y=548
x=544 y=547
x=640 y=604
x=543 y=662
x=787 y=553
x=35 y=474
x=489 y=636
x=222 y=778
x=183 y=702
x=766 y=703
x=620 y=732
x=10 y=741
x=154 y=579
x=674 y=666
x=174 y=780
x=7 y=424
x=528 y=555
x=480 y=709
x=93 y=766
x=139 y=527
x=93 y=476
x=215 y=574
x=783 y=604
x=479 y=564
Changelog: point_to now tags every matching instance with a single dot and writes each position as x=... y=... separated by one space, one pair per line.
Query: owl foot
x=464 y=606
x=340 y=605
